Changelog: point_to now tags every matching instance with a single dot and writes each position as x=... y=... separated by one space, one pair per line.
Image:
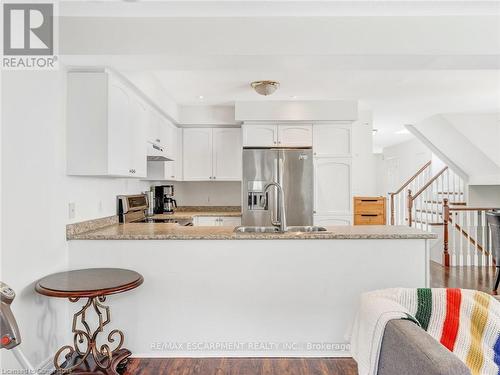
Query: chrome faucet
x=282 y=222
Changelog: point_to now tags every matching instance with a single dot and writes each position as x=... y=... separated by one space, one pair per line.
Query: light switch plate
x=71 y=210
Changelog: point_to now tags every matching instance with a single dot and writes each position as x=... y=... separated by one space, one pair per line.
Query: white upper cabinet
x=260 y=135
x=295 y=135
x=332 y=140
x=107 y=126
x=197 y=154
x=227 y=154
x=332 y=186
x=211 y=154
x=282 y=135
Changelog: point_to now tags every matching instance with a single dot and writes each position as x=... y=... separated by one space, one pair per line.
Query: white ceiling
x=408 y=60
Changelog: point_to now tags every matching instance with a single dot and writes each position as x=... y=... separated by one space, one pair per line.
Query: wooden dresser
x=369 y=211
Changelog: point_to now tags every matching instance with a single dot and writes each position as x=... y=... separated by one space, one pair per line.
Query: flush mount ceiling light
x=265 y=87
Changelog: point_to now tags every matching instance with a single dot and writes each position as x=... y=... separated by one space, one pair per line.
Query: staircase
x=437 y=203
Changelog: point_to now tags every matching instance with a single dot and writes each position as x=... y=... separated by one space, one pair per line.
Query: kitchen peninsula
x=212 y=292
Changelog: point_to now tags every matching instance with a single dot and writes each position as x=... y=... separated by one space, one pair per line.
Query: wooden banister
x=448 y=219
x=412 y=178
x=411 y=198
x=408 y=182
x=429 y=183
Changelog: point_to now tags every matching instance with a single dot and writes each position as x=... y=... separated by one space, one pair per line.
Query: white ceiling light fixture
x=265 y=87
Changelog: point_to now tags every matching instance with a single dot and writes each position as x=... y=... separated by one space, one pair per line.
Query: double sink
x=301 y=229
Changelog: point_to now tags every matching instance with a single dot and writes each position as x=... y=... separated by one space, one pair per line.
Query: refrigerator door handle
x=275 y=220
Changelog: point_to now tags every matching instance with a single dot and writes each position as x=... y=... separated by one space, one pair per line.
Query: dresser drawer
x=369 y=206
x=369 y=219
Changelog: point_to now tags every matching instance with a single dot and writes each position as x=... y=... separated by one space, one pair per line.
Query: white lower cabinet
x=216 y=221
x=324 y=221
x=226 y=221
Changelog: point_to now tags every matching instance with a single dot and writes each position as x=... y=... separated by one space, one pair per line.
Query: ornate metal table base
x=86 y=356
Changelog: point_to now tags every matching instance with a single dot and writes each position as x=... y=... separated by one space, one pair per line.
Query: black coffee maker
x=164 y=201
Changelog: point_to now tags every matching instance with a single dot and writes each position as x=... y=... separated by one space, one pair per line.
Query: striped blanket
x=467 y=322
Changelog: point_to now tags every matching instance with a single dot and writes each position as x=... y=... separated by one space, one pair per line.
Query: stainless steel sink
x=308 y=228
x=256 y=229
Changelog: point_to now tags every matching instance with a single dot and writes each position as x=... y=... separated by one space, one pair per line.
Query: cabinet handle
x=314 y=211
x=158 y=140
x=214 y=177
x=172 y=176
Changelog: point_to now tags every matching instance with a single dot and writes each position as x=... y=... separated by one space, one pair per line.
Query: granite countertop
x=168 y=231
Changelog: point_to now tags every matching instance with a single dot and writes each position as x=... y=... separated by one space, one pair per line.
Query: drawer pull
x=370 y=215
x=369 y=200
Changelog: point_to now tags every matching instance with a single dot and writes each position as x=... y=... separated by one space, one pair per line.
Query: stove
x=133 y=208
x=182 y=222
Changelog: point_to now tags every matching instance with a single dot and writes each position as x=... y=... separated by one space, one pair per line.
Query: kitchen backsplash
x=197 y=193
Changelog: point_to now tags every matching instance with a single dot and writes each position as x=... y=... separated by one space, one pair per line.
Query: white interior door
x=295 y=135
x=332 y=186
x=227 y=155
x=197 y=154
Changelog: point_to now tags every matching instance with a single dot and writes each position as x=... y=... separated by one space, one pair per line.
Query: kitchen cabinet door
x=120 y=129
x=230 y=221
x=227 y=154
x=332 y=140
x=138 y=136
x=210 y=221
x=332 y=186
x=262 y=135
x=197 y=154
x=295 y=135
x=329 y=220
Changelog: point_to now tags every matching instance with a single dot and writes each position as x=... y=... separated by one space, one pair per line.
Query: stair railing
x=425 y=206
x=425 y=193
x=398 y=207
x=466 y=236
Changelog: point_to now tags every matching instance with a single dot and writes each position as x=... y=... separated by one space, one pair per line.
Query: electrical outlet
x=71 y=210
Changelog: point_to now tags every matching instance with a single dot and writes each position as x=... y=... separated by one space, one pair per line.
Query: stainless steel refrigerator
x=292 y=168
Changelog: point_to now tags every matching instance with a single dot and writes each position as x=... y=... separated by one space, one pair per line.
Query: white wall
x=481 y=129
x=462 y=142
x=35 y=196
x=484 y=196
x=401 y=161
x=207 y=193
x=364 y=167
x=207 y=115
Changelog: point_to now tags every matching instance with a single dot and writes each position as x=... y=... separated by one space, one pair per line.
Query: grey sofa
x=408 y=350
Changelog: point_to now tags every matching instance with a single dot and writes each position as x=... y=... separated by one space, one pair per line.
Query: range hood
x=156 y=152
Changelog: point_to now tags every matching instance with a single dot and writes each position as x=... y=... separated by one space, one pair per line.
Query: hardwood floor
x=242 y=366
x=454 y=277
x=478 y=278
